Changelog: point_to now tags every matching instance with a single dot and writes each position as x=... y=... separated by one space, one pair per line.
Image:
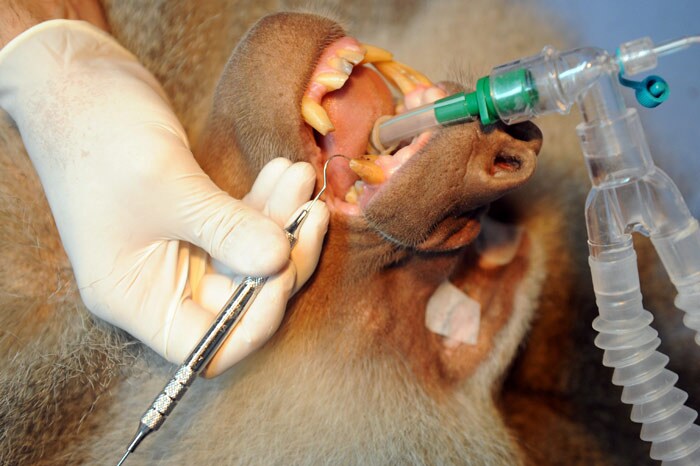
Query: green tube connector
x=508 y=94
x=456 y=107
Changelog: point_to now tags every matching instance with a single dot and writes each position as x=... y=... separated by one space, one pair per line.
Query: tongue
x=353 y=109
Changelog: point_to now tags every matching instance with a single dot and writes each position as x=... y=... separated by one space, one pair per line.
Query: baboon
x=353 y=376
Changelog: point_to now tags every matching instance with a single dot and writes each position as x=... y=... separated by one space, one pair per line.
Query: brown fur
x=353 y=377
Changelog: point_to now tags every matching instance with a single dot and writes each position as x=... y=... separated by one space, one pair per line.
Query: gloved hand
x=128 y=196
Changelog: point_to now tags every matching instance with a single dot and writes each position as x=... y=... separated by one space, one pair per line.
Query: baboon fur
x=350 y=378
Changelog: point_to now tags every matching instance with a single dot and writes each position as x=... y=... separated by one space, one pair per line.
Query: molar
x=353 y=56
x=354 y=193
x=352 y=196
x=332 y=80
x=340 y=64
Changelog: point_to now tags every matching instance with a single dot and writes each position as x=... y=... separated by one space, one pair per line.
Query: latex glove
x=127 y=196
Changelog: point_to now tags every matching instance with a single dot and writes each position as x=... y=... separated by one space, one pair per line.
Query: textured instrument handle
x=228 y=318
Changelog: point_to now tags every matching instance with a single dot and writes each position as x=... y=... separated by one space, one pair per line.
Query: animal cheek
x=256 y=107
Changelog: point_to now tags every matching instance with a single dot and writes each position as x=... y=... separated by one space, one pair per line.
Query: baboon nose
x=513 y=157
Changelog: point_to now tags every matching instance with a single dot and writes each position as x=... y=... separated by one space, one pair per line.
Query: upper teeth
x=341 y=65
x=403 y=76
x=334 y=70
x=375 y=54
x=332 y=80
x=353 y=56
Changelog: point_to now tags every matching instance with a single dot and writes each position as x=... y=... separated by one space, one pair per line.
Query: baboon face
x=428 y=196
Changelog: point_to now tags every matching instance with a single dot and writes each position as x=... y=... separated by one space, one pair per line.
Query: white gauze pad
x=453 y=314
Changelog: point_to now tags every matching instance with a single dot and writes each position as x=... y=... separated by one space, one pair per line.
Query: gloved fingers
x=307 y=251
x=190 y=323
x=265 y=182
x=294 y=188
x=241 y=237
x=257 y=325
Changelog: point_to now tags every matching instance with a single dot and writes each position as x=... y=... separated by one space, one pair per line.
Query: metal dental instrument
x=229 y=316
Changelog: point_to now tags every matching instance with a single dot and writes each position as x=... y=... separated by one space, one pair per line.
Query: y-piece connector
x=630 y=193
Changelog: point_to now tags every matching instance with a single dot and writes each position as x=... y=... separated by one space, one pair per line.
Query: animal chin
x=346 y=95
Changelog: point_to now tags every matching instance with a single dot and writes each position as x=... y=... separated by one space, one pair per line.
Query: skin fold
x=353 y=376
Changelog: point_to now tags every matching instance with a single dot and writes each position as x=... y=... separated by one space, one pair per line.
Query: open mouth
x=347 y=94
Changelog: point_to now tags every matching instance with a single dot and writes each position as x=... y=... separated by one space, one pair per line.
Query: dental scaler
x=629 y=193
x=226 y=321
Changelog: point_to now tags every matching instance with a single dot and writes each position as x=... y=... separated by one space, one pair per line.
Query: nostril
x=506 y=163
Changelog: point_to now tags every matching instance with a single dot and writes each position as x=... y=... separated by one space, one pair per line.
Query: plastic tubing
x=406 y=125
x=530 y=87
x=630 y=193
x=630 y=345
x=675 y=45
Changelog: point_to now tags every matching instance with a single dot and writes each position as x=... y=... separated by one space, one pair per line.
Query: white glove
x=128 y=196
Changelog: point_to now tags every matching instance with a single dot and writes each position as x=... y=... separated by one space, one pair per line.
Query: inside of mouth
x=353 y=110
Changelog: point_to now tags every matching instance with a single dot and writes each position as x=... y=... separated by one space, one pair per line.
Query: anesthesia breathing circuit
x=629 y=194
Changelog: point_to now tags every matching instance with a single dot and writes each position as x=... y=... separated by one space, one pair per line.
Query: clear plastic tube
x=407 y=125
x=640 y=55
x=629 y=194
x=676 y=45
x=514 y=92
x=630 y=346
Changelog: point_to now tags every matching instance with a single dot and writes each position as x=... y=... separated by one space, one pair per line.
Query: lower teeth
x=351 y=196
x=366 y=168
x=354 y=193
